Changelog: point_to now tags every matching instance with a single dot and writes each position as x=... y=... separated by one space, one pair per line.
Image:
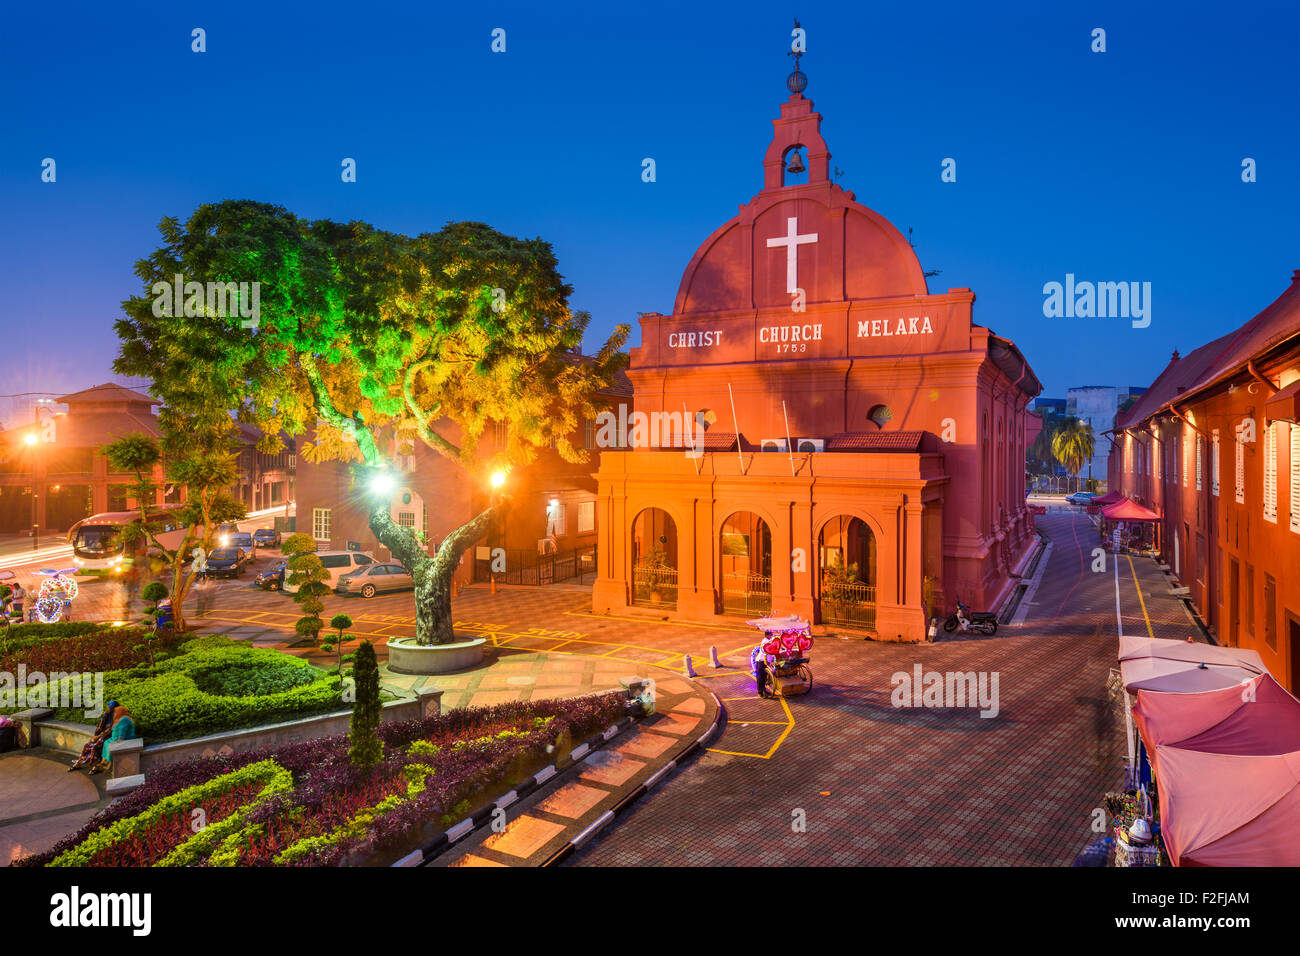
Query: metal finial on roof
x=796 y=82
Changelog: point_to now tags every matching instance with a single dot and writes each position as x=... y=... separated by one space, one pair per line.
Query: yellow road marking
x=647 y=620
x=1147 y=617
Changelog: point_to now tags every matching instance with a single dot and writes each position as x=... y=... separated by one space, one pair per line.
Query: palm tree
x=1073 y=446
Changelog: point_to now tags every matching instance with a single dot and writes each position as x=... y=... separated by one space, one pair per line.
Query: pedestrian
x=760 y=671
x=93 y=752
x=123 y=728
x=18 y=597
x=131 y=582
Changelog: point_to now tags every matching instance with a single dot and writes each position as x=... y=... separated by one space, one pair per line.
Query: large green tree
x=369 y=342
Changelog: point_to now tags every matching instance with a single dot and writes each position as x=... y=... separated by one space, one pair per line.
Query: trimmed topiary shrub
x=365 y=750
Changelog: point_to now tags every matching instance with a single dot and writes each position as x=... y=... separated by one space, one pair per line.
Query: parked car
x=337 y=564
x=272 y=579
x=242 y=540
x=228 y=562
x=226 y=528
x=266 y=538
x=1081 y=498
x=378 y=577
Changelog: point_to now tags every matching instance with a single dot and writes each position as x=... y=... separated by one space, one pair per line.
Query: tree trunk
x=433 y=575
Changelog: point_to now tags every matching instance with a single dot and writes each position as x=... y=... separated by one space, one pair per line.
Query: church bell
x=796 y=163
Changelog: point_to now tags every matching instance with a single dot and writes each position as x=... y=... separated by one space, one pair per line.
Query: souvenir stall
x=1170 y=669
x=1228 y=766
x=1129 y=526
x=779 y=661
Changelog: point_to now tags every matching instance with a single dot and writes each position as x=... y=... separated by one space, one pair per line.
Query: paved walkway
x=40 y=801
x=535 y=829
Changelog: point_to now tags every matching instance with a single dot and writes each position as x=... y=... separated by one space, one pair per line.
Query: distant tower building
x=1097 y=405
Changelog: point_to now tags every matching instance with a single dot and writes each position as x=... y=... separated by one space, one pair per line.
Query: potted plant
x=656 y=562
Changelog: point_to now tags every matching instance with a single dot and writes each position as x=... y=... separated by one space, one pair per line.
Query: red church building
x=853 y=445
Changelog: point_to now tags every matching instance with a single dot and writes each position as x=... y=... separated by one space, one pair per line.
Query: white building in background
x=1097 y=405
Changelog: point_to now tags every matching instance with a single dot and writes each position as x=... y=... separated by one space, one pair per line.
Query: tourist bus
x=97 y=544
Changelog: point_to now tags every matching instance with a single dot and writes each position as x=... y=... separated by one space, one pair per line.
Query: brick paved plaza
x=872 y=783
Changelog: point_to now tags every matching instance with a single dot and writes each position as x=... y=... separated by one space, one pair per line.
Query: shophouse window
x=1293 y=468
x=1214 y=462
x=1200 y=449
x=1270 y=611
x=1240 y=450
x=1250 y=600
x=1270 y=472
x=586 y=516
x=320 y=523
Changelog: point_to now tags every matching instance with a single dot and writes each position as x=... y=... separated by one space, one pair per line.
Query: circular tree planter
x=405 y=656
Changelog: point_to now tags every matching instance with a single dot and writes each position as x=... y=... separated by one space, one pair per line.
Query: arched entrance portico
x=654 y=559
x=846 y=551
x=745 y=555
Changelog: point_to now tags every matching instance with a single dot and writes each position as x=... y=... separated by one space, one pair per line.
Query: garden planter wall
x=405 y=656
x=70 y=738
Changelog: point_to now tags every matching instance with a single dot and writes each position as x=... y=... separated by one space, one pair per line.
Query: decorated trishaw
x=783 y=652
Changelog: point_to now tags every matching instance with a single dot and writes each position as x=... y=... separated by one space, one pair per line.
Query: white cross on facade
x=792 y=241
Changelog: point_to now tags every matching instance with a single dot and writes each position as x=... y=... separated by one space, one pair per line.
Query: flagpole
x=788 y=446
x=739 y=458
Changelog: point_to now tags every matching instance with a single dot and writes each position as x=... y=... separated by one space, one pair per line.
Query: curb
x=455 y=834
x=659 y=776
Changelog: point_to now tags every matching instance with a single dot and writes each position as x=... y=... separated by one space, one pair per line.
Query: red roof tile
x=876 y=441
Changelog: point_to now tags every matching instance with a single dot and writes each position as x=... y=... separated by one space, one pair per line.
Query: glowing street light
x=498 y=479
x=381 y=483
x=30 y=438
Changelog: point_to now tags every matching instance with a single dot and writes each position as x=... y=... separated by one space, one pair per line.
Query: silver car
x=371 y=580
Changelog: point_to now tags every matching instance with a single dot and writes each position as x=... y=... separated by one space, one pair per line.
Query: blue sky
x=1122 y=166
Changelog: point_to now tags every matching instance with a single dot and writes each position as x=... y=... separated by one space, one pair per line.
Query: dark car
x=227 y=562
x=266 y=538
x=272 y=579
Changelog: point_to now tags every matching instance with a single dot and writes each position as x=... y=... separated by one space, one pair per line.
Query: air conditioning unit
x=773 y=444
x=809 y=444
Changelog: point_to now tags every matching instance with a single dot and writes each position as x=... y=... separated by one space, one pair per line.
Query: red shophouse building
x=1213 y=447
x=862 y=454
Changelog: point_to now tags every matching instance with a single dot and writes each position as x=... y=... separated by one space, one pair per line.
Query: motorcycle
x=986 y=622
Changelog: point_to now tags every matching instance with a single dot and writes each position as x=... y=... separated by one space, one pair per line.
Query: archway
x=846 y=551
x=745 y=547
x=654 y=559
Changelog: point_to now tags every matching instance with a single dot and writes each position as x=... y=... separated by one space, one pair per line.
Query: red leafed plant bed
x=306 y=805
x=113 y=648
x=151 y=844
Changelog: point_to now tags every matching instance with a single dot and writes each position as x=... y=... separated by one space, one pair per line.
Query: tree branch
x=429 y=436
x=352 y=426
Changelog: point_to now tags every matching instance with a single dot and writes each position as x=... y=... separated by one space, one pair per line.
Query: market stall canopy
x=1255 y=718
x=1128 y=510
x=1184 y=667
x=1227 y=809
x=1109 y=498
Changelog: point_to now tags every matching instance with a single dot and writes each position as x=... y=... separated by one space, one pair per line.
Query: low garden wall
x=134 y=757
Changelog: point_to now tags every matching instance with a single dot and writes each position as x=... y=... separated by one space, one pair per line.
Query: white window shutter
x=1270 y=472
x=1293 y=468
x=1214 y=462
